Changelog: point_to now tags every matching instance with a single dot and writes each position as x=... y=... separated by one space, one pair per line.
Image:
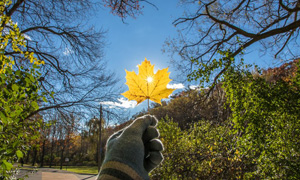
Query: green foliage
x=185 y=102
x=266 y=116
x=205 y=71
x=19 y=93
x=204 y=151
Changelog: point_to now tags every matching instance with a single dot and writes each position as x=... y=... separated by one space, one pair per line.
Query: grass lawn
x=26 y=167
x=75 y=169
x=80 y=169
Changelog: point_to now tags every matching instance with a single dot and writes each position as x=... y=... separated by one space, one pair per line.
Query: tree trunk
x=43 y=153
x=57 y=150
x=81 y=146
x=99 y=149
x=52 y=146
x=22 y=162
x=27 y=157
x=34 y=156
x=97 y=153
x=51 y=153
x=62 y=157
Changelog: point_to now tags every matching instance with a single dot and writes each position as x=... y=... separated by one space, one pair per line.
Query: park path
x=54 y=174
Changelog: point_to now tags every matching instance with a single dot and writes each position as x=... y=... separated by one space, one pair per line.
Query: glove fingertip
x=156 y=145
x=156 y=157
x=152 y=119
x=153 y=160
x=150 y=133
x=149 y=165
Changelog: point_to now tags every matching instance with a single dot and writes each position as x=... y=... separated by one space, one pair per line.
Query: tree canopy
x=265 y=116
x=19 y=94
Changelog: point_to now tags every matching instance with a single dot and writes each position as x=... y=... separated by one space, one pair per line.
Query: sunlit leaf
x=19 y=154
x=146 y=84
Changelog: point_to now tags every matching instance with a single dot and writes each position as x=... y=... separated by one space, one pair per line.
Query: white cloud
x=68 y=51
x=175 y=86
x=122 y=103
x=197 y=87
x=193 y=87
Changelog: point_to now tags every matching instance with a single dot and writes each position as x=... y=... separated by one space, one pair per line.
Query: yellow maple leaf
x=146 y=84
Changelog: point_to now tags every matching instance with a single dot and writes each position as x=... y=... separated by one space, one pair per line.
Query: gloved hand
x=135 y=147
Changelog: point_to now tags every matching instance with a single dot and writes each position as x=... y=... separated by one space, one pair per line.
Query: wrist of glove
x=133 y=151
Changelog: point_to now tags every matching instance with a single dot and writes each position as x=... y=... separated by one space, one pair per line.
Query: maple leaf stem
x=148 y=106
x=148 y=94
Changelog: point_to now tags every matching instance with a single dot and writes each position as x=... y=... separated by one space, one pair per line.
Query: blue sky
x=129 y=43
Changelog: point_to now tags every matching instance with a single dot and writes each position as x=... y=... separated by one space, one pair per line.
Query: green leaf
x=28 y=82
x=18 y=72
x=52 y=94
x=3 y=117
x=19 y=154
x=44 y=99
x=7 y=165
x=34 y=105
x=15 y=87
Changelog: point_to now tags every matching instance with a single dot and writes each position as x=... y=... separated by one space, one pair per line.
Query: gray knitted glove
x=133 y=148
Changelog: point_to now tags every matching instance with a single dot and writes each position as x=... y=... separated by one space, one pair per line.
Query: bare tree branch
x=222 y=25
x=57 y=32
